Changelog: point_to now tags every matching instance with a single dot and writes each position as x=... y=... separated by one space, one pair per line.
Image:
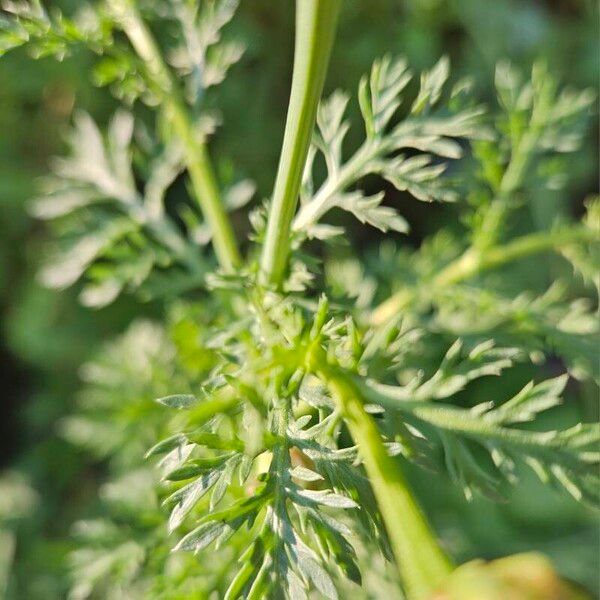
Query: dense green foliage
x=258 y=429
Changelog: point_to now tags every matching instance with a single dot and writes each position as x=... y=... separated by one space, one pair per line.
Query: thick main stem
x=422 y=563
x=316 y=22
x=197 y=160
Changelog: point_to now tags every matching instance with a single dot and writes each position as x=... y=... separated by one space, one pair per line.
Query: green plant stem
x=197 y=160
x=316 y=22
x=422 y=563
x=473 y=262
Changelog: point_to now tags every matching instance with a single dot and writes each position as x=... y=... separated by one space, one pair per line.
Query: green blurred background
x=46 y=336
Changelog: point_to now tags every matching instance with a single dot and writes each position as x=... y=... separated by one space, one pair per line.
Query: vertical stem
x=197 y=160
x=422 y=563
x=316 y=22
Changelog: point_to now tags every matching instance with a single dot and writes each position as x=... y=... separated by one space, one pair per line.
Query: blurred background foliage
x=47 y=336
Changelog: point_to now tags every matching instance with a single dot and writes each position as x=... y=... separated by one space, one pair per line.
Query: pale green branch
x=197 y=160
x=473 y=262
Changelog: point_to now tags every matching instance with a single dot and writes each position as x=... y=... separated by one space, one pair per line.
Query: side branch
x=197 y=160
x=473 y=262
